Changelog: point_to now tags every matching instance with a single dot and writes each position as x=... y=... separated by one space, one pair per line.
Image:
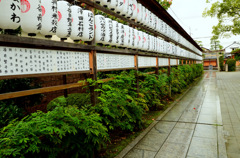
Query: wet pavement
x=195 y=127
x=229 y=94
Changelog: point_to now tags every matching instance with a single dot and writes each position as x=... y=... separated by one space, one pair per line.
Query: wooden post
x=93 y=67
x=169 y=72
x=136 y=74
x=64 y=78
x=182 y=61
x=157 y=67
x=65 y=92
x=177 y=61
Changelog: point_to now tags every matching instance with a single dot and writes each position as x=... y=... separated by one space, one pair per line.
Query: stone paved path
x=193 y=128
x=229 y=94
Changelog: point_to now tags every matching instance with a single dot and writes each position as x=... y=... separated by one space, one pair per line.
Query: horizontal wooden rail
x=11 y=95
x=43 y=74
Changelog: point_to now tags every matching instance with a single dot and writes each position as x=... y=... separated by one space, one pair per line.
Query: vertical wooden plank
x=182 y=61
x=93 y=68
x=177 y=61
x=65 y=92
x=136 y=74
x=169 y=72
x=157 y=67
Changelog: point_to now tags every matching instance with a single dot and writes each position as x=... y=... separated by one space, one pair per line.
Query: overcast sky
x=188 y=13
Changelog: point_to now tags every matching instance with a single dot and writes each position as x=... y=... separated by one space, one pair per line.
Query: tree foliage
x=228 y=14
x=165 y=3
x=215 y=44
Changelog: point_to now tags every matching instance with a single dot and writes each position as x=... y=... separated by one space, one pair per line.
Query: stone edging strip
x=147 y=130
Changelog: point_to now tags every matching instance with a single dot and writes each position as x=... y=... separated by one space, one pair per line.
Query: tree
x=165 y=3
x=199 y=43
x=215 y=44
x=228 y=14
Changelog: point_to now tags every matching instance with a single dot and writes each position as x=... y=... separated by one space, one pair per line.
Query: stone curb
x=147 y=130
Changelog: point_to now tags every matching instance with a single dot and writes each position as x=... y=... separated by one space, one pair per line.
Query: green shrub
x=152 y=90
x=78 y=99
x=9 y=112
x=64 y=131
x=221 y=62
x=117 y=103
x=231 y=64
x=16 y=108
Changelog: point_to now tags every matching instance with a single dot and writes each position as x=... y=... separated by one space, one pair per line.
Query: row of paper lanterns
x=59 y=17
x=48 y=17
x=136 y=11
x=110 y=32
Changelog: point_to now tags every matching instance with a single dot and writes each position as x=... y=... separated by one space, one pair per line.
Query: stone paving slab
x=229 y=94
x=192 y=128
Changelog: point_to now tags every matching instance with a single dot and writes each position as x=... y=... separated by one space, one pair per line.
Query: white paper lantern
x=77 y=23
x=10 y=14
x=135 y=10
x=149 y=42
x=158 y=45
x=149 y=24
x=100 y=29
x=64 y=20
x=159 y=24
x=125 y=8
x=131 y=37
x=130 y=9
x=140 y=40
x=121 y=34
x=31 y=16
x=115 y=38
x=135 y=38
x=155 y=22
x=145 y=16
x=145 y=41
x=126 y=35
x=113 y=4
x=82 y=24
x=120 y=5
x=139 y=12
x=88 y=26
x=49 y=18
x=155 y=44
x=109 y=31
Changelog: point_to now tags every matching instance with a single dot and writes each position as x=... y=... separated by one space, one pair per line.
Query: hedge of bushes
x=74 y=128
x=231 y=64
